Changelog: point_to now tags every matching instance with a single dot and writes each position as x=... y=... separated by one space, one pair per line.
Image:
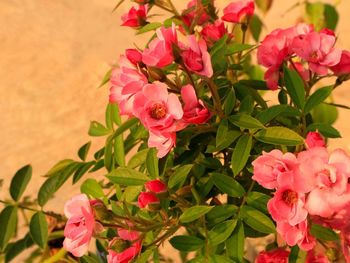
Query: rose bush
x=195 y=156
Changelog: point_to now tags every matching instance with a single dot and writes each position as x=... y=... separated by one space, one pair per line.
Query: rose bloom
x=213 y=32
x=236 y=10
x=155 y=186
x=274 y=256
x=80 y=225
x=163 y=143
x=343 y=67
x=136 y=16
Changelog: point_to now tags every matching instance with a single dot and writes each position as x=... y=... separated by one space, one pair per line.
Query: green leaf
x=152 y=163
x=323 y=233
x=324 y=113
x=108 y=154
x=47 y=190
x=106 y=78
x=144 y=256
x=314 y=14
x=221 y=232
x=295 y=87
x=272 y=112
x=331 y=16
x=83 y=151
x=228 y=185
x=279 y=136
x=92 y=187
x=317 y=97
x=235 y=244
x=131 y=193
x=125 y=126
x=127 y=176
x=186 y=243
x=243 y=120
x=259 y=201
x=149 y=27
x=14 y=249
x=255 y=26
x=194 y=213
x=220 y=213
x=235 y=48
x=297 y=255
x=138 y=159
x=88 y=259
x=8 y=224
x=82 y=170
x=39 y=229
x=97 y=129
x=225 y=137
x=254 y=84
x=20 y=181
x=178 y=178
x=257 y=220
x=325 y=129
x=241 y=153
x=58 y=167
x=230 y=102
x=247 y=105
x=218 y=45
x=218 y=259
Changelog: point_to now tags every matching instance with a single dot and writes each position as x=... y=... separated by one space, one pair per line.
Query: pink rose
x=318 y=50
x=133 y=55
x=196 y=57
x=298 y=234
x=314 y=139
x=194 y=110
x=235 y=10
x=212 y=33
x=274 y=256
x=343 y=67
x=155 y=186
x=311 y=258
x=270 y=166
x=158 y=110
x=80 y=225
x=136 y=16
x=146 y=198
x=123 y=249
x=159 y=53
x=190 y=16
x=163 y=143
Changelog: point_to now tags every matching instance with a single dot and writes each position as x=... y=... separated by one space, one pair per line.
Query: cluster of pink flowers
x=315 y=49
x=311 y=184
x=150 y=198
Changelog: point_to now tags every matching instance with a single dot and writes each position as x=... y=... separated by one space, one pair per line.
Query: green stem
x=246 y=196
x=216 y=97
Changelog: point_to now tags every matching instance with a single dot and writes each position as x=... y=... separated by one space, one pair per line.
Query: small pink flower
x=158 y=110
x=159 y=53
x=343 y=67
x=318 y=50
x=236 y=10
x=163 y=143
x=136 y=16
x=125 y=245
x=196 y=57
x=274 y=256
x=298 y=234
x=287 y=205
x=270 y=166
x=312 y=258
x=146 y=198
x=212 y=33
x=155 y=186
x=80 y=225
x=133 y=55
x=314 y=139
x=194 y=110
x=190 y=16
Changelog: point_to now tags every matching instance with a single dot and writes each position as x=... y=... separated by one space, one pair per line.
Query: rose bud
x=314 y=139
x=148 y=200
x=156 y=73
x=157 y=187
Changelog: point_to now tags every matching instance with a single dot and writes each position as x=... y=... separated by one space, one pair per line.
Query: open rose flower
x=236 y=10
x=274 y=256
x=163 y=143
x=196 y=57
x=80 y=225
x=124 y=248
x=136 y=16
x=194 y=109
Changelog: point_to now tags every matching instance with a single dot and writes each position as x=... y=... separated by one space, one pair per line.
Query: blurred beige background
x=54 y=54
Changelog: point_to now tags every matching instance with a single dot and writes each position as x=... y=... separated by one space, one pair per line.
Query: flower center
x=290 y=197
x=314 y=54
x=158 y=111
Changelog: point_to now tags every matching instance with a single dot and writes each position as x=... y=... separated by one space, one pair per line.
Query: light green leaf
x=92 y=187
x=39 y=229
x=317 y=97
x=220 y=232
x=241 y=153
x=97 y=129
x=127 y=176
x=149 y=27
x=279 y=136
x=194 y=213
x=243 y=120
x=20 y=181
x=257 y=220
x=220 y=213
x=230 y=102
x=259 y=201
x=272 y=112
x=178 y=178
x=295 y=87
x=235 y=48
x=138 y=159
x=152 y=163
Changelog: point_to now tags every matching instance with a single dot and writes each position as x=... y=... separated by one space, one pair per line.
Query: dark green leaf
x=295 y=87
x=228 y=185
x=247 y=105
x=257 y=220
x=149 y=27
x=152 y=163
x=220 y=232
x=241 y=153
x=325 y=129
x=255 y=25
x=186 y=243
x=39 y=229
x=279 y=136
x=297 y=255
x=194 y=213
x=82 y=170
x=272 y=112
x=8 y=224
x=58 y=167
x=92 y=187
x=88 y=259
x=127 y=176
x=106 y=78
x=259 y=201
x=230 y=102
x=218 y=45
x=331 y=16
x=243 y=120
x=317 y=97
x=220 y=213
x=178 y=178
x=97 y=129
x=14 y=249
x=235 y=244
x=83 y=151
x=108 y=154
x=47 y=190
x=20 y=181
x=323 y=233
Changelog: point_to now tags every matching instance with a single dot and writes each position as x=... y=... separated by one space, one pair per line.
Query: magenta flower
x=212 y=33
x=155 y=186
x=196 y=57
x=314 y=139
x=274 y=256
x=136 y=16
x=190 y=16
x=343 y=67
x=133 y=55
x=147 y=198
x=236 y=10
x=163 y=143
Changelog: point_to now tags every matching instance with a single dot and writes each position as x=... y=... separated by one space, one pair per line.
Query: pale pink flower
x=155 y=186
x=318 y=50
x=196 y=57
x=190 y=16
x=163 y=143
x=271 y=165
x=314 y=139
x=194 y=109
x=158 y=110
x=343 y=67
x=124 y=248
x=213 y=32
x=80 y=225
x=236 y=10
x=274 y=256
x=146 y=198
x=159 y=53
x=136 y=16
